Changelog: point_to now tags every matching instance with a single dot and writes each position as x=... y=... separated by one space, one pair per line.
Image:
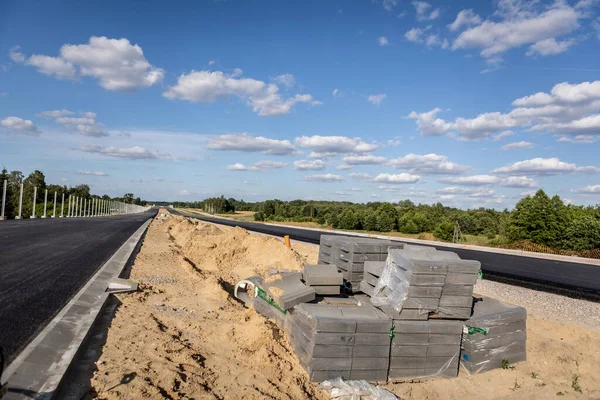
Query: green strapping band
x=473 y=330
x=480 y=274
x=393 y=332
x=263 y=295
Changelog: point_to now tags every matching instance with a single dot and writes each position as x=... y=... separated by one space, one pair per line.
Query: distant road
x=572 y=279
x=44 y=263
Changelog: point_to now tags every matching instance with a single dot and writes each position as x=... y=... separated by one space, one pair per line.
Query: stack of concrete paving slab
x=373 y=270
x=424 y=282
x=425 y=348
x=323 y=278
x=350 y=254
x=346 y=340
x=495 y=332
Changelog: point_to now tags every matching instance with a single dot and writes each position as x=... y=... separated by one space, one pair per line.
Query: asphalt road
x=44 y=263
x=568 y=278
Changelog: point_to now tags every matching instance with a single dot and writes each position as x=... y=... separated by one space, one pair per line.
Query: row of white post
x=77 y=206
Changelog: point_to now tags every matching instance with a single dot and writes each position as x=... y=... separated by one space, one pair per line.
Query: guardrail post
x=54 y=211
x=2 y=217
x=81 y=207
x=45 y=203
x=34 y=196
x=76 y=211
x=20 y=204
x=62 y=205
x=85 y=207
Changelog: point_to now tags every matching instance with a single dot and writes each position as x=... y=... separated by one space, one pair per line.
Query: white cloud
x=589 y=125
x=447 y=197
x=376 y=98
x=92 y=173
x=544 y=166
x=260 y=166
x=591 y=189
x=518 y=182
x=518 y=145
x=285 y=80
x=116 y=63
x=334 y=145
x=383 y=41
x=579 y=139
x=484 y=125
x=389 y=4
x=208 y=86
x=471 y=192
x=16 y=55
x=19 y=126
x=519 y=26
x=473 y=180
x=324 y=178
x=465 y=18
x=429 y=125
x=85 y=124
x=414 y=35
x=360 y=176
x=211 y=62
x=397 y=178
x=337 y=93
x=364 y=160
x=343 y=167
x=502 y=135
x=309 y=165
x=184 y=192
x=131 y=153
x=549 y=47
x=428 y=164
x=422 y=9
x=246 y=143
x=530 y=193
x=355 y=189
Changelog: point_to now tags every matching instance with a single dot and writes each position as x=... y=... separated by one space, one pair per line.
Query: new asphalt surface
x=44 y=263
x=567 y=278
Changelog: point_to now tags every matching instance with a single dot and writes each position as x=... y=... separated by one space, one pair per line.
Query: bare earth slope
x=184 y=335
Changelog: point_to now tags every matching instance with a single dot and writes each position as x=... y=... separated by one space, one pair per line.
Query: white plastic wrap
x=392 y=286
x=354 y=390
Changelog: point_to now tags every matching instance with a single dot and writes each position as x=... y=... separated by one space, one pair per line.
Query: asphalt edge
x=61 y=339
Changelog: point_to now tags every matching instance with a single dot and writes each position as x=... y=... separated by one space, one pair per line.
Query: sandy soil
x=184 y=335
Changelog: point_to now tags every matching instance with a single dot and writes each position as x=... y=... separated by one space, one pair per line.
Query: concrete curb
x=522 y=253
x=38 y=370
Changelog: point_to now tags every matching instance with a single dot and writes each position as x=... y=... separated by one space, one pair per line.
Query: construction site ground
x=183 y=335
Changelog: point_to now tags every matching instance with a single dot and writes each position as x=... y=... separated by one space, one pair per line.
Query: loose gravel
x=545 y=305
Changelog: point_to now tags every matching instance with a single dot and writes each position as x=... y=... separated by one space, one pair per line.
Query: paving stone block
x=411 y=339
x=493 y=363
x=426 y=280
x=409 y=362
x=456 y=301
x=354 y=267
x=371 y=351
x=374 y=267
x=361 y=245
x=370 y=279
x=408 y=350
x=287 y=290
x=460 y=279
x=443 y=350
x=433 y=326
x=438 y=338
x=365 y=287
x=320 y=376
x=406 y=373
x=464 y=267
x=370 y=363
x=494 y=312
x=376 y=375
x=425 y=291
x=326 y=290
x=405 y=313
x=322 y=274
x=372 y=339
x=322 y=318
x=328 y=364
x=457 y=290
x=496 y=330
x=358 y=257
x=266 y=309
x=493 y=342
x=428 y=303
x=461 y=313
x=368 y=319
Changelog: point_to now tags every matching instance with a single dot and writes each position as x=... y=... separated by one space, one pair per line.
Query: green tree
x=582 y=234
x=445 y=231
x=539 y=219
x=348 y=220
x=369 y=220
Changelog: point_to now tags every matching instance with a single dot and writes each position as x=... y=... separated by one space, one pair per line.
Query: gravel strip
x=545 y=305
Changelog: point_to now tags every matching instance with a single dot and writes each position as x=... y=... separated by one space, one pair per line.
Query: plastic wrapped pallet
x=496 y=331
x=425 y=349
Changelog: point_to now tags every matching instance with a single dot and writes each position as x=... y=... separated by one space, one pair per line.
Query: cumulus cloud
x=92 y=173
x=260 y=166
x=376 y=98
x=464 y=18
x=324 y=178
x=428 y=164
x=85 y=124
x=517 y=145
x=116 y=63
x=16 y=55
x=389 y=4
x=429 y=125
x=591 y=189
x=422 y=9
x=520 y=24
x=518 y=182
x=130 y=153
x=323 y=145
x=364 y=160
x=383 y=41
x=250 y=144
x=549 y=47
x=414 y=35
x=544 y=166
x=502 y=135
x=18 y=126
x=579 y=139
x=309 y=165
x=397 y=178
x=360 y=176
x=337 y=93
x=208 y=86
x=287 y=80
x=473 y=180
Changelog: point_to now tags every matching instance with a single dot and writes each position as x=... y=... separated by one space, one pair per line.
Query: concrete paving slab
x=322 y=318
x=406 y=373
x=460 y=313
x=322 y=274
x=372 y=339
x=464 y=267
x=443 y=350
x=405 y=313
x=493 y=342
x=370 y=363
x=456 y=301
x=425 y=291
x=367 y=288
x=370 y=279
x=460 y=279
x=371 y=351
x=287 y=290
x=374 y=267
x=428 y=303
x=378 y=375
x=320 y=376
x=326 y=290
x=358 y=257
x=419 y=339
x=479 y=356
x=494 y=363
x=408 y=351
x=457 y=290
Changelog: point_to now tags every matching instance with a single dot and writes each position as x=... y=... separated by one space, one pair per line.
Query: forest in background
x=38 y=179
x=537 y=219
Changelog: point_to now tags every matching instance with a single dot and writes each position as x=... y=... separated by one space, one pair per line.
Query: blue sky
x=468 y=103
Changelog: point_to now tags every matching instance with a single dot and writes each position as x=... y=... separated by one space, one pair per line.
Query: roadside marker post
x=2 y=217
x=45 y=203
x=81 y=207
x=84 y=208
x=54 y=212
x=20 y=204
x=62 y=205
x=69 y=207
x=34 y=196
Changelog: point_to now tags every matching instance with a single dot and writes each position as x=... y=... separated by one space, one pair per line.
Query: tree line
x=38 y=179
x=539 y=218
